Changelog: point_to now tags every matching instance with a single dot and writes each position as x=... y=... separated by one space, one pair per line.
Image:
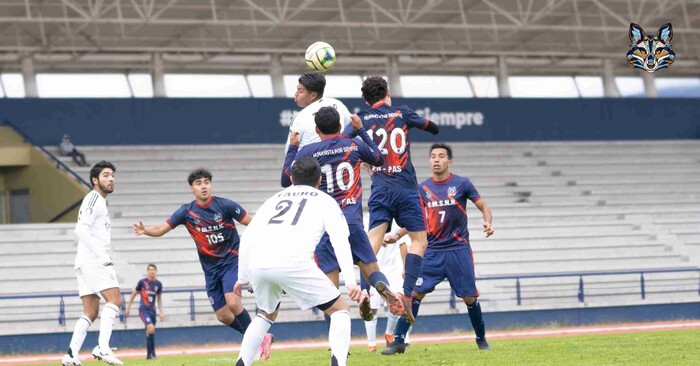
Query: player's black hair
x=441 y=145
x=151 y=265
x=98 y=168
x=197 y=174
x=306 y=171
x=313 y=82
x=374 y=89
x=328 y=120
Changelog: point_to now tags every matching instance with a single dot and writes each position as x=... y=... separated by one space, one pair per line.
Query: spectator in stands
x=150 y=289
x=68 y=149
x=448 y=255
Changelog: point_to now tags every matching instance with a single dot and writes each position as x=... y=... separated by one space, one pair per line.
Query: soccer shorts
x=306 y=285
x=95 y=278
x=221 y=282
x=148 y=316
x=457 y=265
x=403 y=205
x=359 y=245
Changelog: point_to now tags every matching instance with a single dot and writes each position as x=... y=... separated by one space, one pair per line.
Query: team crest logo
x=650 y=53
x=428 y=194
x=218 y=217
x=451 y=191
x=196 y=221
x=419 y=281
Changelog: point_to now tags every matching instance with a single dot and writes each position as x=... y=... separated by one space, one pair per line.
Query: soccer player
x=210 y=222
x=340 y=159
x=309 y=96
x=448 y=254
x=394 y=184
x=277 y=256
x=94 y=268
x=150 y=289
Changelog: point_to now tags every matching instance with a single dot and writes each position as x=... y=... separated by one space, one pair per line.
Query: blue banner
x=230 y=121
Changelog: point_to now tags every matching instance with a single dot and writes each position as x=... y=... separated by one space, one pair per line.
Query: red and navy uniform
x=394 y=184
x=448 y=254
x=340 y=158
x=213 y=229
x=148 y=290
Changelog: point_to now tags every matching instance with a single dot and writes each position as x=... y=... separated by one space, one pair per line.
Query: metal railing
x=452 y=300
x=59 y=165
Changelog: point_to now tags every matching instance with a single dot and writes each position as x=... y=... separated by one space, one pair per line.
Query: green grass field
x=680 y=347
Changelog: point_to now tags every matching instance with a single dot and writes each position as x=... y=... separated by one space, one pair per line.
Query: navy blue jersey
x=340 y=158
x=148 y=290
x=213 y=230
x=446 y=202
x=388 y=126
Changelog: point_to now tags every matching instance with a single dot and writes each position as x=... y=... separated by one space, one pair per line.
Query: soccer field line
x=233 y=350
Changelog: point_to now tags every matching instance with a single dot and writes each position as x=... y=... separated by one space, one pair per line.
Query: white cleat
x=105 y=356
x=70 y=361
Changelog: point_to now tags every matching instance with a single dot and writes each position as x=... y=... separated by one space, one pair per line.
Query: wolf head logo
x=650 y=53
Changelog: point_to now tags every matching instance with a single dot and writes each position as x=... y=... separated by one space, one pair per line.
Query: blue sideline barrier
x=241 y=120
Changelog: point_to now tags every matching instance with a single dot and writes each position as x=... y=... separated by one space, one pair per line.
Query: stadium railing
x=452 y=301
x=59 y=165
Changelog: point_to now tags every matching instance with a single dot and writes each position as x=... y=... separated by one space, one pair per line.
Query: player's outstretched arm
x=432 y=127
x=153 y=231
x=293 y=144
x=486 y=213
x=128 y=306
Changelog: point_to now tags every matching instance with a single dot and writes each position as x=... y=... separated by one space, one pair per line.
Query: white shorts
x=395 y=282
x=92 y=279
x=307 y=286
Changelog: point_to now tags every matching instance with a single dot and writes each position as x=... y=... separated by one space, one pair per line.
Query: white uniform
x=94 y=234
x=306 y=126
x=277 y=248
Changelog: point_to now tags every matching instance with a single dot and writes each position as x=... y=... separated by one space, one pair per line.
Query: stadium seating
x=558 y=207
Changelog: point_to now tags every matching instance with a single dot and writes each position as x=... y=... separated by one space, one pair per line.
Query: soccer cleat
x=366 y=308
x=372 y=349
x=389 y=338
x=483 y=345
x=70 y=361
x=407 y=305
x=394 y=348
x=395 y=303
x=105 y=356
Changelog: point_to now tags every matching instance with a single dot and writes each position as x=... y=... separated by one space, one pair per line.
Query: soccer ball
x=320 y=56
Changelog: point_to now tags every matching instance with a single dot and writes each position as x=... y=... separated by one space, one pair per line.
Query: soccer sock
x=109 y=312
x=376 y=277
x=339 y=336
x=150 y=345
x=402 y=326
x=252 y=339
x=364 y=285
x=414 y=263
x=79 y=333
x=153 y=345
x=241 y=322
x=371 y=329
x=391 y=320
x=477 y=319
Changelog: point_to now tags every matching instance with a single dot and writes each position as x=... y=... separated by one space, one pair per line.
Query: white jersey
x=93 y=231
x=306 y=126
x=286 y=229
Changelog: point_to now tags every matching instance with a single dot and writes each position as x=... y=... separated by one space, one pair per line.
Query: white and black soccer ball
x=320 y=56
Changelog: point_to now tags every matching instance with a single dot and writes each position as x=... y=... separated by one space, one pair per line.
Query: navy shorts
x=221 y=282
x=359 y=245
x=457 y=265
x=148 y=316
x=403 y=205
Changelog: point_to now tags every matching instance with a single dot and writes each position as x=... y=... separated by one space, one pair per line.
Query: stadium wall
x=287 y=331
x=265 y=120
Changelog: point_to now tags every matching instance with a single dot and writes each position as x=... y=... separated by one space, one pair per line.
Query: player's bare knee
x=91 y=313
x=224 y=316
x=469 y=300
x=270 y=316
x=418 y=295
x=150 y=329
